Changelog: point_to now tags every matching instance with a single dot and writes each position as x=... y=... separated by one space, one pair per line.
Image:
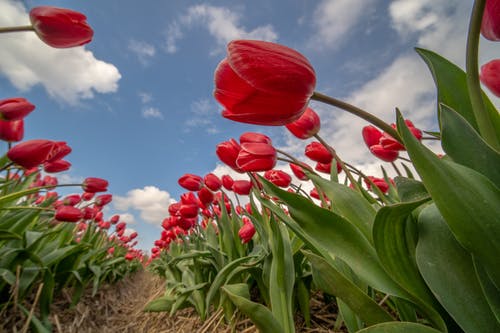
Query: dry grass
x=118 y=309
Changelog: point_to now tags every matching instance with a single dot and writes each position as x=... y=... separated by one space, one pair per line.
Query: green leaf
x=449 y=272
x=5 y=235
x=464 y=145
x=161 y=304
x=399 y=327
x=468 y=201
x=348 y=203
x=451 y=83
x=331 y=233
x=36 y=324
x=490 y=291
x=261 y=316
x=7 y=276
x=47 y=295
x=410 y=189
x=330 y=280
x=395 y=234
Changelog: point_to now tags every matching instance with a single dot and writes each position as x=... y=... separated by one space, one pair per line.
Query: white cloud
x=222 y=24
x=66 y=74
x=144 y=51
x=333 y=19
x=127 y=217
x=145 y=97
x=201 y=116
x=150 y=201
x=151 y=112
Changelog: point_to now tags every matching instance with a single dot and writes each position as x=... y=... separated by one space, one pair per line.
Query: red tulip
x=87 y=195
x=191 y=182
x=246 y=232
x=227 y=152
x=60 y=150
x=490 y=75
x=318 y=153
x=188 y=210
x=306 y=126
x=371 y=135
x=278 y=178
x=205 y=196
x=56 y=166
x=389 y=143
x=60 y=27
x=298 y=172
x=227 y=182
x=15 y=108
x=72 y=199
x=327 y=167
x=103 y=199
x=12 y=131
x=93 y=185
x=242 y=187
x=252 y=137
x=68 y=214
x=384 y=154
x=173 y=208
x=212 y=182
x=256 y=157
x=490 y=26
x=30 y=154
x=379 y=182
x=189 y=198
x=263 y=83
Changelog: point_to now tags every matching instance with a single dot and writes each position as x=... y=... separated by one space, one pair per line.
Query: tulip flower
x=246 y=232
x=227 y=152
x=490 y=25
x=384 y=154
x=60 y=150
x=87 y=196
x=490 y=74
x=212 y=182
x=72 y=199
x=298 y=172
x=15 y=108
x=60 y=27
x=242 y=187
x=56 y=166
x=205 y=196
x=103 y=200
x=318 y=153
x=93 y=185
x=191 y=182
x=32 y=153
x=263 y=83
x=68 y=214
x=327 y=167
x=306 y=126
x=252 y=137
x=278 y=178
x=227 y=182
x=379 y=182
x=12 y=131
x=255 y=157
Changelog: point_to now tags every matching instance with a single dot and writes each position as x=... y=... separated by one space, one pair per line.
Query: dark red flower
x=256 y=157
x=103 y=199
x=306 y=126
x=15 y=108
x=93 y=185
x=490 y=74
x=242 y=187
x=60 y=27
x=490 y=25
x=205 y=196
x=12 y=131
x=318 y=153
x=252 y=137
x=56 y=166
x=68 y=214
x=227 y=152
x=31 y=153
x=298 y=171
x=379 y=182
x=191 y=182
x=278 y=178
x=263 y=83
x=60 y=150
x=227 y=182
x=212 y=182
x=327 y=167
x=246 y=232
x=384 y=154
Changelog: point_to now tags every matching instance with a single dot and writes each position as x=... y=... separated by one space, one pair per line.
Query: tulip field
x=294 y=243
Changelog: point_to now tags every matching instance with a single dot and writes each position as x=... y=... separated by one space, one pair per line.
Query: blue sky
x=136 y=103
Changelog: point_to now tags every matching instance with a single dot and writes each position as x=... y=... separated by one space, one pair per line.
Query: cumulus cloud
x=67 y=75
x=145 y=97
x=201 y=116
x=151 y=203
x=221 y=23
x=151 y=112
x=143 y=50
x=333 y=19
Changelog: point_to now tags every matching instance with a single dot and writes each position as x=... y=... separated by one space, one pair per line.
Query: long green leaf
x=331 y=232
x=464 y=145
x=449 y=271
x=399 y=327
x=328 y=279
x=468 y=201
x=261 y=316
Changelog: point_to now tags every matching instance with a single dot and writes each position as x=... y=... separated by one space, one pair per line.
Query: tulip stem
x=357 y=112
x=16 y=29
x=483 y=120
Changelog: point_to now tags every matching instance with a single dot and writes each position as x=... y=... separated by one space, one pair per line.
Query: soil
x=119 y=308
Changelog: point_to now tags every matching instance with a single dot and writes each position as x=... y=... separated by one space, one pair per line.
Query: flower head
x=263 y=83
x=306 y=126
x=490 y=75
x=32 y=153
x=12 y=131
x=60 y=27
x=490 y=25
x=93 y=185
x=15 y=108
